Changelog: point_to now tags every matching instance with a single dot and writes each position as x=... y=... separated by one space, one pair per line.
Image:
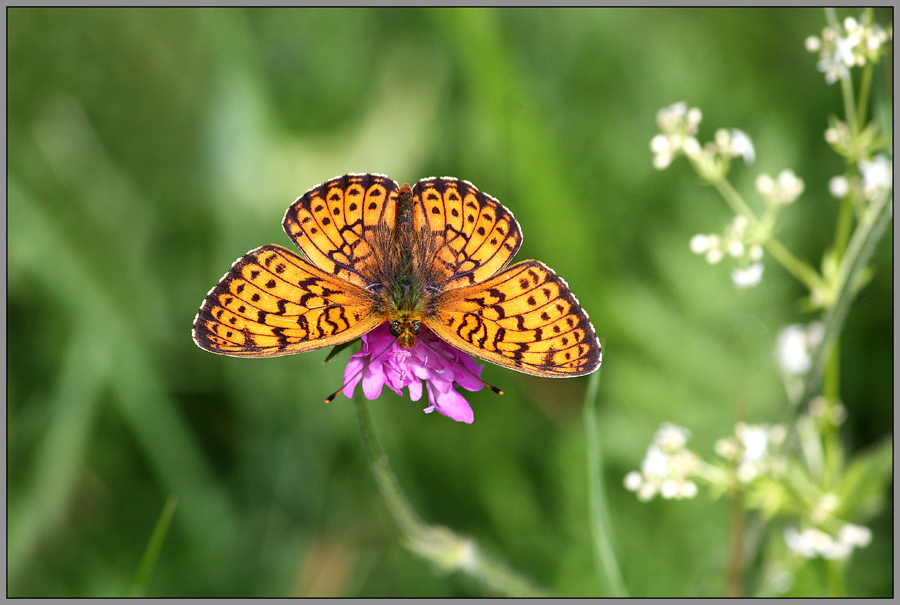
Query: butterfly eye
x=394 y=327
x=416 y=326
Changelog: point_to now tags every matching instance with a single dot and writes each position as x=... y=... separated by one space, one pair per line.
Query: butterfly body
x=433 y=255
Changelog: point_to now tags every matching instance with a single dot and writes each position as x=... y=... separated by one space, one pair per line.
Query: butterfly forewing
x=525 y=319
x=333 y=224
x=474 y=235
x=272 y=302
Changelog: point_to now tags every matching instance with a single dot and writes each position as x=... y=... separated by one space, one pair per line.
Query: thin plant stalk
x=451 y=552
x=154 y=548
x=601 y=526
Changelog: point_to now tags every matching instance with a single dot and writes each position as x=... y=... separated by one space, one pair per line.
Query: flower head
x=849 y=44
x=782 y=190
x=679 y=127
x=382 y=361
x=666 y=468
x=877 y=176
x=813 y=542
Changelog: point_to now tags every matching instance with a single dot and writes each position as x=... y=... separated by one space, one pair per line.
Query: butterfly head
x=405 y=326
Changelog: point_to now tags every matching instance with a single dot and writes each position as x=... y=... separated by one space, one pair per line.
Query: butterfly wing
x=272 y=302
x=524 y=318
x=470 y=235
x=335 y=224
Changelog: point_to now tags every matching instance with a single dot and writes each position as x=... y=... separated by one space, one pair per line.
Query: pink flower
x=438 y=364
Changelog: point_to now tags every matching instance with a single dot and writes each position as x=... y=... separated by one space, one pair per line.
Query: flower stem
x=860 y=249
x=601 y=527
x=734 y=199
x=440 y=545
x=803 y=272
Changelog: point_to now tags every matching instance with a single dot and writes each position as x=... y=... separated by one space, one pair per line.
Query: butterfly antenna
x=479 y=378
x=331 y=397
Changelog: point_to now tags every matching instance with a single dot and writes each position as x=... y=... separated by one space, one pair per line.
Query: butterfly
x=432 y=256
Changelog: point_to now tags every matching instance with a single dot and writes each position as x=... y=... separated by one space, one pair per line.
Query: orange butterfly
x=430 y=255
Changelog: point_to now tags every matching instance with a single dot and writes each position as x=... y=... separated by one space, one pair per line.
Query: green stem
x=442 y=546
x=859 y=251
x=601 y=526
x=836 y=585
x=845 y=221
x=832 y=453
x=803 y=272
x=849 y=104
x=734 y=199
x=864 y=88
x=152 y=552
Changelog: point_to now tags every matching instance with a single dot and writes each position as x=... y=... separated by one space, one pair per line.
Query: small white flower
x=877 y=176
x=699 y=244
x=660 y=144
x=714 y=255
x=813 y=44
x=833 y=69
x=739 y=225
x=669 y=489
x=777 y=435
x=735 y=248
x=755 y=439
x=855 y=535
x=669 y=118
x=756 y=252
x=694 y=116
x=811 y=542
x=726 y=447
x=670 y=437
x=742 y=146
x=839 y=187
x=656 y=463
x=688 y=489
x=745 y=278
x=633 y=481
x=843 y=50
x=790 y=187
x=793 y=350
x=646 y=492
x=765 y=185
x=661 y=161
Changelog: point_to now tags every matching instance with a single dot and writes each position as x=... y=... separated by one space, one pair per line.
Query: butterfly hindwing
x=524 y=318
x=272 y=302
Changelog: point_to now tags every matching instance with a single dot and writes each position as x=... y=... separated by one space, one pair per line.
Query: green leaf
x=862 y=491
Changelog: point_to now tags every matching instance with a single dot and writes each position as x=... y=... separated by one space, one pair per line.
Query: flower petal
x=452 y=405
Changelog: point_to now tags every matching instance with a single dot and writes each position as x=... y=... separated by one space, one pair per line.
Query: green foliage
x=150 y=148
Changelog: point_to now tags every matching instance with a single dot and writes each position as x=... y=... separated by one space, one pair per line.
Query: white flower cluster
x=734 y=243
x=813 y=542
x=782 y=190
x=679 y=129
x=666 y=467
x=793 y=351
x=877 y=176
x=851 y=44
x=752 y=450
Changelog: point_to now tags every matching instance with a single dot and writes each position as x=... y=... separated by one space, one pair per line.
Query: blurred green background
x=150 y=148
